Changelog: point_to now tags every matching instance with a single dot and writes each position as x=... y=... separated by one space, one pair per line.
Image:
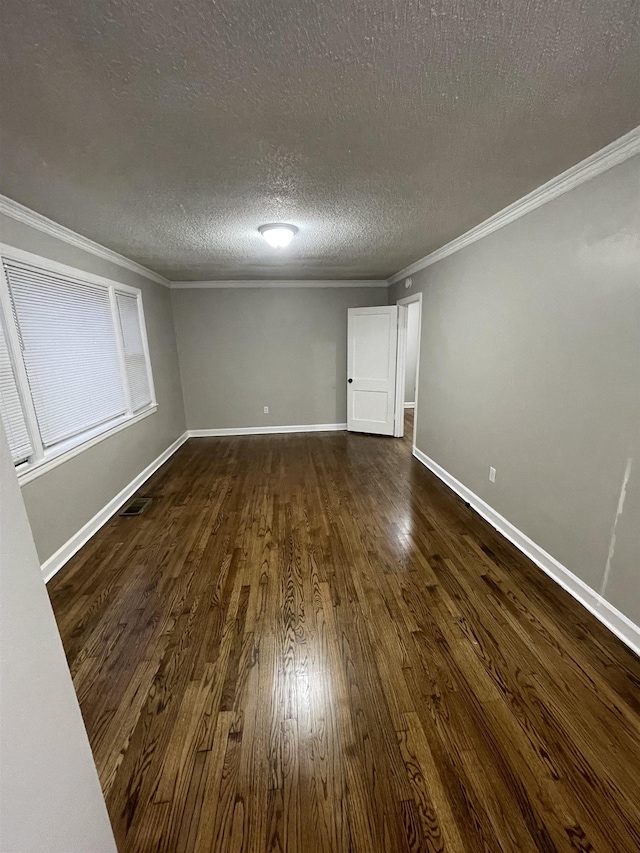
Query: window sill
x=27 y=473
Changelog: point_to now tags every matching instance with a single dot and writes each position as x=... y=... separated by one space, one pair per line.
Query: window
x=74 y=363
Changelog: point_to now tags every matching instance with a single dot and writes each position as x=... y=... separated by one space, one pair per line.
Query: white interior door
x=372 y=338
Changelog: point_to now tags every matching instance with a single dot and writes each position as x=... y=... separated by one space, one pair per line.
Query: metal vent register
x=136 y=507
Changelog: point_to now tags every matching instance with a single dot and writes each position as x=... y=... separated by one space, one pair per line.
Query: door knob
x=349 y=380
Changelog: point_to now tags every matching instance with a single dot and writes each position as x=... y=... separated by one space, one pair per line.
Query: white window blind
x=69 y=351
x=134 y=354
x=11 y=406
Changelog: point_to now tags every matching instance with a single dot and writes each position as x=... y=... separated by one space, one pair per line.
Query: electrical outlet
x=266 y=410
x=492 y=475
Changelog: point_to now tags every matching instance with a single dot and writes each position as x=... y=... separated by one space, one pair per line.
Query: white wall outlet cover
x=492 y=474
x=408 y=282
x=266 y=410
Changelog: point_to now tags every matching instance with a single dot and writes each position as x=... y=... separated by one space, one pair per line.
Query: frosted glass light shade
x=278 y=235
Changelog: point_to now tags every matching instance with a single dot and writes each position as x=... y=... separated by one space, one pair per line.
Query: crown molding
x=617 y=152
x=24 y=214
x=20 y=213
x=262 y=283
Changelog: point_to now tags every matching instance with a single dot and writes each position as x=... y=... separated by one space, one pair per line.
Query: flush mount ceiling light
x=278 y=234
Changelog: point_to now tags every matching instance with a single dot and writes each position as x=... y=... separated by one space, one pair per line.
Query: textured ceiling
x=169 y=131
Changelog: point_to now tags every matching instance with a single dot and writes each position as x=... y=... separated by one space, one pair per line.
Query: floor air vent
x=136 y=507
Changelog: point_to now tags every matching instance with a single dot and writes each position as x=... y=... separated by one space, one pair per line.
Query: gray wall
x=50 y=797
x=61 y=501
x=530 y=362
x=413 y=318
x=246 y=348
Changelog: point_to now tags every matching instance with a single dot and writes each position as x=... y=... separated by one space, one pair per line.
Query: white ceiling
x=169 y=131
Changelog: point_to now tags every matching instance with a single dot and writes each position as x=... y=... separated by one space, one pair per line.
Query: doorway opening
x=409 y=327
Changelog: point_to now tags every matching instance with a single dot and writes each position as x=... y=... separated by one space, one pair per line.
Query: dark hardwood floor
x=308 y=643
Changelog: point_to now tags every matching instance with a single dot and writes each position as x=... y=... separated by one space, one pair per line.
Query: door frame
x=402 y=362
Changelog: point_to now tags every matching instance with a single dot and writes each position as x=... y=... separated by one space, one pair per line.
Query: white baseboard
x=614 y=620
x=409 y=405
x=266 y=430
x=65 y=552
x=57 y=560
